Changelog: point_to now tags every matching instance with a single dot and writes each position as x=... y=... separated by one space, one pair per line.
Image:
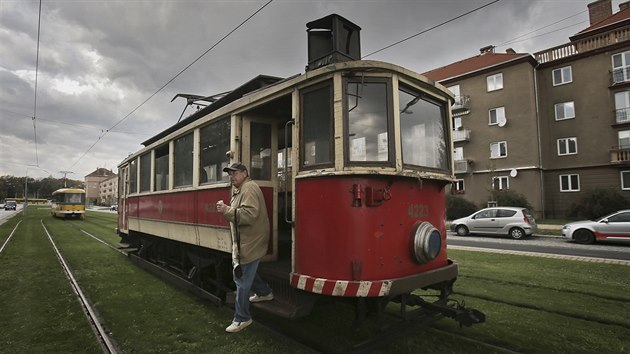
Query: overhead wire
x=514 y=40
x=430 y=29
x=171 y=80
x=57 y=122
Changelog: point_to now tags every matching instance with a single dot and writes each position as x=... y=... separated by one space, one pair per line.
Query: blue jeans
x=250 y=281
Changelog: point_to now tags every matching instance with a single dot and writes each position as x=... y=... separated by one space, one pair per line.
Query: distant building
x=92 y=184
x=552 y=125
x=109 y=191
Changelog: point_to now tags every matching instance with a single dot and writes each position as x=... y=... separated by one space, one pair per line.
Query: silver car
x=511 y=221
x=615 y=226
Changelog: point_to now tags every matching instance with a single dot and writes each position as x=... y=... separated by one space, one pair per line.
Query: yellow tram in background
x=68 y=203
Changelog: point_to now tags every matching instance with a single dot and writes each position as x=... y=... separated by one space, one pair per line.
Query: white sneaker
x=238 y=326
x=258 y=298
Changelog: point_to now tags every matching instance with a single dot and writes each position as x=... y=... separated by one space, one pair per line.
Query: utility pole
x=25 y=194
x=65 y=173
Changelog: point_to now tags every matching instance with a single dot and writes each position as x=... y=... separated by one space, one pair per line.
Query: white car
x=615 y=226
x=510 y=221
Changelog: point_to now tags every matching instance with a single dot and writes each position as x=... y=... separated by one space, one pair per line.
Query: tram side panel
x=189 y=217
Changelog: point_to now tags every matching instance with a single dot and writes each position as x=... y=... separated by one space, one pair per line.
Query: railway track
x=102 y=336
x=382 y=341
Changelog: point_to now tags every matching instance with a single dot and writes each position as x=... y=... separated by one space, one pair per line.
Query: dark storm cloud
x=99 y=60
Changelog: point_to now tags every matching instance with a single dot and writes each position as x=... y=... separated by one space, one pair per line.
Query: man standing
x=247 y=215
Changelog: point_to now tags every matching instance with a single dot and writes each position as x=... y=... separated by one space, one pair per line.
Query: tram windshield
x=423 y=131
x=74 y=198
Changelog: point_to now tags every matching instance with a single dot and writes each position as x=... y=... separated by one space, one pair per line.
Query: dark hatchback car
x=10 y=205
x=515 y=222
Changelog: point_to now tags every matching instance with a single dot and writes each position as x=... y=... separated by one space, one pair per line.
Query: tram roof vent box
x=332 y=39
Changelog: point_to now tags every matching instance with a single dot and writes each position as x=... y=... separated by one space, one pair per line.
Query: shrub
x=458 y=207
x=511 y=198
x=597 y=203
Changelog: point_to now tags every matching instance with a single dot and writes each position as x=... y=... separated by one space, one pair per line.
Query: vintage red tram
x=353 y=158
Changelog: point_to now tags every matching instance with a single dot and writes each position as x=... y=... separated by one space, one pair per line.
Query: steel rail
x=11 y=235
x=106 y=343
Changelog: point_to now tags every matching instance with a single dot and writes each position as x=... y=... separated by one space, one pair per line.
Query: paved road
x=545 y=244
x=6 y=214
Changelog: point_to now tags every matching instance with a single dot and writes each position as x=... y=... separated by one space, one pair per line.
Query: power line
x=514 y=40
x=542 y=34
x=171 y=80
x=56 y=122
x=430 y=29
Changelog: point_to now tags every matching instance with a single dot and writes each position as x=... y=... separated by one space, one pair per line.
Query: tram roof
x=69 y=190
x=254 y=84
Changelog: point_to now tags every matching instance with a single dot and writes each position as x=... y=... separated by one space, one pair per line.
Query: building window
x=500 y=183
x=495 y=82
x=562 y=76
x=214 y=142
x=317 y=131
x=458 y=187
x=567 y=146
x=621 y=67
x=424 y=131
x=183 y=160
x=622 y=107
x=457 y=123
x=625 y=180
x=564 y=110
x=498 y=150
x=624 y=139
x=496 y=115
x=458 y=153
x=569 y=183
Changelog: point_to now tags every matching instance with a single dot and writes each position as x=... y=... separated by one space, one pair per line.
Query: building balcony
x=461 y=103
x=583 y=45
x=461 y=135
x=622 y=115
x=463 y=166
x=620 y=155
x=620 y=75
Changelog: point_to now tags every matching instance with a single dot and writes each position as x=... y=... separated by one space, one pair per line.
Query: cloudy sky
x=99 y=60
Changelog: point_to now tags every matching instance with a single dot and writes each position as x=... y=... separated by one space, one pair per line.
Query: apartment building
x=552 y=125
x=108 y=194
x=93 y=184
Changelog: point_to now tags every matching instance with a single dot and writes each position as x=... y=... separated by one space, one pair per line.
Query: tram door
x=123 y=181
x=259 y=151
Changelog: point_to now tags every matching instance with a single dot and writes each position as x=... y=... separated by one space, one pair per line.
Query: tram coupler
x=464 y=316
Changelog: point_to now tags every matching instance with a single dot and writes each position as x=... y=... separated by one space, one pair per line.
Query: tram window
x=183 y=160
x=161 y=168
x=423 y=131
x=133 y=176
x=145 y=172
x=214 y=141
x=317 y=120
x=368 y=121
x=260 y=151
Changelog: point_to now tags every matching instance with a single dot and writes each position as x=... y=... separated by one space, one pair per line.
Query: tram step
x=288 y=302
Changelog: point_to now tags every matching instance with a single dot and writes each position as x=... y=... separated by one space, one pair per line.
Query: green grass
x=533 y=305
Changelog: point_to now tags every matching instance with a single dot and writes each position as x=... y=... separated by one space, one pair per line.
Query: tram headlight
x=427 y=242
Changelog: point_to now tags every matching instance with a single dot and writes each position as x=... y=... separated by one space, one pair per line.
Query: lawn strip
x=39 y=311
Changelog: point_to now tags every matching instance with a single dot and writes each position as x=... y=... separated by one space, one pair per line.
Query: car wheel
x=583 y=236
x=461 y=230
x=517 y=233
